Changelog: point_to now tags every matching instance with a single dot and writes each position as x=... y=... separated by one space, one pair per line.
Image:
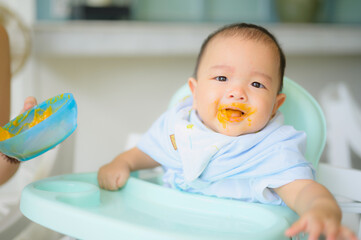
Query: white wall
x=315 y=72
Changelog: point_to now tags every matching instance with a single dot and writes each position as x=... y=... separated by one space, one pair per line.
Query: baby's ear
x=280 y=99
x=192 y=83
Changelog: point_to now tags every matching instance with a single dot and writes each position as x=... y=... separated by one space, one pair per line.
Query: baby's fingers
x=331 y=230
x=107 y=180
x=297 y=227
x=313 y=229
x=122 y=179
x=111 y=178
x=107 y=183
x=314 y=232
x=346 y=233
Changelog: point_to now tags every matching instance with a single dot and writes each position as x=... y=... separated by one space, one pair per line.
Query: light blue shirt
x=247 y=167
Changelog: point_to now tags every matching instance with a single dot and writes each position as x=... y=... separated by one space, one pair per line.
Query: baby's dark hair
x=247 y=31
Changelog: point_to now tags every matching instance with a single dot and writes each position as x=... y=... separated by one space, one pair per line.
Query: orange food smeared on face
x=235 y=112
x=38 y=117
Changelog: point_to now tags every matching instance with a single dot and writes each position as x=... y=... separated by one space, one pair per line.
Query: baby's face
x=237 y=87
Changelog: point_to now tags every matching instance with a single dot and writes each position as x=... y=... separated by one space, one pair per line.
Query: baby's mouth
x=231 y=115
x=235 y=112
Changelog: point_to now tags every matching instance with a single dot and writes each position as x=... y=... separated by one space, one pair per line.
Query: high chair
x=143 y=209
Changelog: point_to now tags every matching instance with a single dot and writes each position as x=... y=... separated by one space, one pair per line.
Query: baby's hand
x=113 y=175
x=316 y=223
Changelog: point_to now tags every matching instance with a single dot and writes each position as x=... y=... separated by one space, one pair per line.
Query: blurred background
x=123 y=60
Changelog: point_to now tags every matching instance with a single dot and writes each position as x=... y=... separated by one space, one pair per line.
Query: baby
x=228 y=140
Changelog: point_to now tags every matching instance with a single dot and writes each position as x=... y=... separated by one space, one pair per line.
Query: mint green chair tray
x=74 y=205
x=143 y=209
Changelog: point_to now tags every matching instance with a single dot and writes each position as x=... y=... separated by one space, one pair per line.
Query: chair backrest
x=300 y=110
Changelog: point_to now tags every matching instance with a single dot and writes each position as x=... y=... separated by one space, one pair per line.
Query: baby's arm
x=115 y=174
x=318 y=210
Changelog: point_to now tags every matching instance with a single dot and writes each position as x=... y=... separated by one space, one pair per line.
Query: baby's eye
x=257 y=85
x=221 y=78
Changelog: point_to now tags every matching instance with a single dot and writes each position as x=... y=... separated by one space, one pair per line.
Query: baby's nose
x=237 y=94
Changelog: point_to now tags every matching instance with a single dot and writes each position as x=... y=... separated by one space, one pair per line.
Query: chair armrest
x=351 y=207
